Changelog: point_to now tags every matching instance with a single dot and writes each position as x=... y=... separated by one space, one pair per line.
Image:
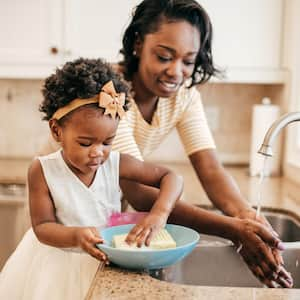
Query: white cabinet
x=247 y=38
x=28 y=30
x=38 y=35
x=94 y=28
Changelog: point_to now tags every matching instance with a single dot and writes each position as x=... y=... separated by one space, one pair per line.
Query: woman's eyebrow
x=167 y=48
x=174 y=51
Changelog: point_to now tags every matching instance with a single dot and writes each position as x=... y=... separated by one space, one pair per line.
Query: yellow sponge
x=162 y=240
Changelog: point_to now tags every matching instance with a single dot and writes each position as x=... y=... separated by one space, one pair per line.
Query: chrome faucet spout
x=274 y=130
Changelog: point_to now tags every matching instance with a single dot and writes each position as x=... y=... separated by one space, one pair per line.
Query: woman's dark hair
x=81 y=78
x=147 y=18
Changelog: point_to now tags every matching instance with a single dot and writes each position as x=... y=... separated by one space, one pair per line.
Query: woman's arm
x=218 y=184
x=44 y=222
x=225 y=195
x=170 y=188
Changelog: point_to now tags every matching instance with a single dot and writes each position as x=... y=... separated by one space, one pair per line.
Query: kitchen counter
x=114 y=283
x=14 y=170
x=117 y=284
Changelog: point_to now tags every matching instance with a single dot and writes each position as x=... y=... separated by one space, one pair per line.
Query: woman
x=167 y=51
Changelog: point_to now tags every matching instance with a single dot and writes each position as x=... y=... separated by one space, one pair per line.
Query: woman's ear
x=55 y=129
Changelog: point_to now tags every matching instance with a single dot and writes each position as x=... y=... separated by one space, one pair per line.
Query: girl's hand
x=86 y=239
x=258 y=244
x=143 y=232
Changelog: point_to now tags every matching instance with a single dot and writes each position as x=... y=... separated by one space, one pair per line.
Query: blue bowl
x=185 y=238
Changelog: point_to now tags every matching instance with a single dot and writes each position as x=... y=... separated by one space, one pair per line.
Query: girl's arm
x=170 y=188
x=44 y=222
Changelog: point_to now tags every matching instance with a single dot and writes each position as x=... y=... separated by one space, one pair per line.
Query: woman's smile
x=168 y=86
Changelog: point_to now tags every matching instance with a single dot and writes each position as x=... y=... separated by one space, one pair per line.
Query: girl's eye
x=108 y=143
x=163 y=58
x=85 y=144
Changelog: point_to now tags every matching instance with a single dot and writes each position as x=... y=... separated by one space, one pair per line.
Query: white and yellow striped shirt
x=137 y=137
x=184 y=111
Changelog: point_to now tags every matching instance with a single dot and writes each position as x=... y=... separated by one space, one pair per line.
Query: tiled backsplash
x=228 y=106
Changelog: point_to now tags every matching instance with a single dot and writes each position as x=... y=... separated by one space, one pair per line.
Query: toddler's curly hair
x=81 y=78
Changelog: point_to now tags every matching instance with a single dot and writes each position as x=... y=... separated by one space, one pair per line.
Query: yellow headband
x=108 y=98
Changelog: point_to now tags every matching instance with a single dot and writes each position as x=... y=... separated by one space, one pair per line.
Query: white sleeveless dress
x=37 y=271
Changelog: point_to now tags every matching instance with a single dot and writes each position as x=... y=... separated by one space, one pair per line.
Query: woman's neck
x=142 y=96
x=145 y=100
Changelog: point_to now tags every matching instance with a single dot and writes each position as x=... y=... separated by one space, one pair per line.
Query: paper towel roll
x=263 y=116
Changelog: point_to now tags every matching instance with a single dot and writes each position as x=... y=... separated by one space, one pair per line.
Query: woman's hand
x=86 y=238
x=143 y=232
x=260 y=248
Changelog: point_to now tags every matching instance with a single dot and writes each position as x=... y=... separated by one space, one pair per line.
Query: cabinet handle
x=54 y=50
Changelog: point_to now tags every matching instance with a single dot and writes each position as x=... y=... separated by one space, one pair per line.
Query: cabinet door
x=247 y=33
x=94 y=28
x=29 y=29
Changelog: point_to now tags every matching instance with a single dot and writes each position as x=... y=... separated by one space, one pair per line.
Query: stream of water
x=260 y=186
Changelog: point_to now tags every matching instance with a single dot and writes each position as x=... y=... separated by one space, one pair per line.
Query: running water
x=259 y=195
x=260 y=186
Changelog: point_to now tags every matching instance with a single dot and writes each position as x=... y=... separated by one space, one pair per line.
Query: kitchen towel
x=263 y=116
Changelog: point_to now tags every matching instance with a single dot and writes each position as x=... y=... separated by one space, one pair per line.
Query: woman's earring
x=134 y=53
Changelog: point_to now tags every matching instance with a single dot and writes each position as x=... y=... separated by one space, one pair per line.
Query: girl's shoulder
x=35 y=171
x=50 y=156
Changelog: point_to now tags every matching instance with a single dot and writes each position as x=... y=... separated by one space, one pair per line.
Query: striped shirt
x=184 y=111
x=137 y=137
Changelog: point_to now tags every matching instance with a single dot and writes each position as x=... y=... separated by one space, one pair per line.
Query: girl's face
x=167 y=58
x=86 y=139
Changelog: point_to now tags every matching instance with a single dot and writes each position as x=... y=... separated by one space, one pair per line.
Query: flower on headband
x=112 y=101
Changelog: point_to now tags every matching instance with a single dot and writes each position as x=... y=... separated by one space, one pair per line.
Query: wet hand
x=284 y=278
x=86 y=239
x=261 y=251
x=143 y=232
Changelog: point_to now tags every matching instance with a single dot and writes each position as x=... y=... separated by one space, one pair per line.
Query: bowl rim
x=105 y=246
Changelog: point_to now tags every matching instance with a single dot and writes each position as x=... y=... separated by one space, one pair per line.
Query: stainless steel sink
x=215 y=262
x=286 y=226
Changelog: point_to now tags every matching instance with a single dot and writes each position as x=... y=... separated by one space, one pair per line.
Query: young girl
x=74 y=191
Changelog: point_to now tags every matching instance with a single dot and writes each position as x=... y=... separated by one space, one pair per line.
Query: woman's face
x=167 y=58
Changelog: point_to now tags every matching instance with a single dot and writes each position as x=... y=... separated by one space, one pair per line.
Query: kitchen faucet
x=274 y=130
